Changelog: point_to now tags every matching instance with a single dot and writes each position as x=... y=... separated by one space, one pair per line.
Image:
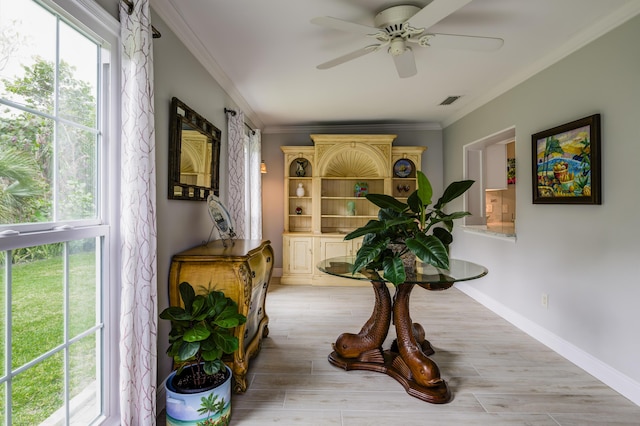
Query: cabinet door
x=300 y=255
x=496 y=167
x=337 y=246
x=334 y=247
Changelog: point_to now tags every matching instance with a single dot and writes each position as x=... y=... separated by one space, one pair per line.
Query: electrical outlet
x=544 y=301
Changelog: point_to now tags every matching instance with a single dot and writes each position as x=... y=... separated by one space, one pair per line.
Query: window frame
x=92 y=20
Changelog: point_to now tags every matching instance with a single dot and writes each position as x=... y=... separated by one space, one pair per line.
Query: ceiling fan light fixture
x=397 y=47
x=397 y=27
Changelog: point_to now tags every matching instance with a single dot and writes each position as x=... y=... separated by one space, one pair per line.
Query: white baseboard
x=622 y=384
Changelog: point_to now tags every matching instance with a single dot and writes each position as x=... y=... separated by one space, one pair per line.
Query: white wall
x=585 y=257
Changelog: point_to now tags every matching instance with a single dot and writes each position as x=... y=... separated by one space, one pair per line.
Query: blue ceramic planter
x=190 y=410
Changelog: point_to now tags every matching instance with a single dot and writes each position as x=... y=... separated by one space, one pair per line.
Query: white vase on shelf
x=300 y=190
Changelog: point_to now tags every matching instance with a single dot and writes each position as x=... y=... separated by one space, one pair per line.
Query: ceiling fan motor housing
x=395 y=16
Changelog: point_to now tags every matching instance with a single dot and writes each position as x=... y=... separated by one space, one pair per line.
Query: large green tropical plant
x=202 y=331
x=415 y=226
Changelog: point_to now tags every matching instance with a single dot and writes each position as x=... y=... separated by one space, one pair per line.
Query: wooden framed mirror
x=194 y=154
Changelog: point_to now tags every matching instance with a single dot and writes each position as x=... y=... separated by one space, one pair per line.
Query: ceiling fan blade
x=339 y=24
x=406 y=64
x=349 y=56
x=435 y=12
x=453 y=41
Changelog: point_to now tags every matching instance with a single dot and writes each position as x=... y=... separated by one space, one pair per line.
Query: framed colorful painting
x=566 y=163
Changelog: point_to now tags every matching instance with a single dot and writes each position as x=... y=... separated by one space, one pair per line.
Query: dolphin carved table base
x=406 y=361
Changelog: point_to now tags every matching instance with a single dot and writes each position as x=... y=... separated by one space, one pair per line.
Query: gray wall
x=586 y=258
x=181 y=224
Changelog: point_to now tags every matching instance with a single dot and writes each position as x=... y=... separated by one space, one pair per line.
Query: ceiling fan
x=399 y=26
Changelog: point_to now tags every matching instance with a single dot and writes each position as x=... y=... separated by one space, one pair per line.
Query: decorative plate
x=402 y=168
x=220 y=217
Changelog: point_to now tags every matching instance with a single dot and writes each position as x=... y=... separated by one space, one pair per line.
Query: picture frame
x=566 y=163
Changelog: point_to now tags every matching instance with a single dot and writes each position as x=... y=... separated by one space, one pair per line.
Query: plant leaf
x=386 y=202
x=197 y=305
x=415 y=203
x=425 y=191
x=456 y=215
x=175 y=313
x=372 y=226
x=212 y=354
x=226 y=342
x=197 y=333
x=217 y=302
x=443 y=235
x=187 y=294
x=368 y=253
x=229 y=317
x=430 y=250
x=394 y=270
x=212 y=367
x=453 y=191
x=188 y=350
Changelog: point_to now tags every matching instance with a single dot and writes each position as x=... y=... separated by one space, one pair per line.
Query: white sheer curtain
x=254 y=177
x=138 y=306
x=245 y=184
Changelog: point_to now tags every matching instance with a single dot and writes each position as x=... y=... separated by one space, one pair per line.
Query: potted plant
x=199 y=391
x=406 y=231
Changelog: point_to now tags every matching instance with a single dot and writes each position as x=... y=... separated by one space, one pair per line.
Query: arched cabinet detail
x=335 y=175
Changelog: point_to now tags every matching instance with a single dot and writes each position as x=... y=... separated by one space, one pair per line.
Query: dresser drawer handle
x=253 y=274
x=268 y=259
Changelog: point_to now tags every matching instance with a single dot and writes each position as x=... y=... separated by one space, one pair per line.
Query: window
x=56 y=113
x=491 y=163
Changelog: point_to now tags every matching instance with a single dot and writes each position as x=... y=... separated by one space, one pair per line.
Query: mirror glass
x=194 y=155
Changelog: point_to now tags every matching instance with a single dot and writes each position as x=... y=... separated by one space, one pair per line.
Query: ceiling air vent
x=450 y=100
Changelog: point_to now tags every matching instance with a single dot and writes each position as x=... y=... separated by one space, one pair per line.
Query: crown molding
x=170 y=15
x=603 y=26
x=354 y=128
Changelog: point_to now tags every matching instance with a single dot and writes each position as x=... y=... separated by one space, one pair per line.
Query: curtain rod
x=155 y=33
x=233 y=113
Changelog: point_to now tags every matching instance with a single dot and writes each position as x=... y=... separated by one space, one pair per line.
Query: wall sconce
x=263 y=167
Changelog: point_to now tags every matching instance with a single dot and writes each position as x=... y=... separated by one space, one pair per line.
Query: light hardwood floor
x=498 y=375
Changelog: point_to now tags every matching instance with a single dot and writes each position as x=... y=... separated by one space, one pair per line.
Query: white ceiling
x=264 y=54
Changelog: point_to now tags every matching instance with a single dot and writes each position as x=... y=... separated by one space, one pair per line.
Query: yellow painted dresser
x=242 y=271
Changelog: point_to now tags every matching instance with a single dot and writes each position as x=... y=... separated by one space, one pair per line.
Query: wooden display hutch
x=336 y=174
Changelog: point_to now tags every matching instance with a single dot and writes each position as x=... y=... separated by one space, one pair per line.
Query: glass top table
x=407 y=360
x=427 y=276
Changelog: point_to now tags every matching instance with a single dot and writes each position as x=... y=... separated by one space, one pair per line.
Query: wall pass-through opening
x=491 y=162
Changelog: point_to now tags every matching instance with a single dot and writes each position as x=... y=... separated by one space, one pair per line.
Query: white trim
x=277 y=272
x=482 y=230
x=606 y=24
x=613 y=378
x=359 y=128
